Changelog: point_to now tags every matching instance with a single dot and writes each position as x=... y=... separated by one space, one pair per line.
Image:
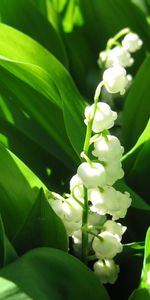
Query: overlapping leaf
x=43 y=274
x=24 y=16
x=23 y=205
x=35 y=66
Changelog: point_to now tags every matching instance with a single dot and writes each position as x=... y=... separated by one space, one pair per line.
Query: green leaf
x=31 y=63
x=24 y=16
x=22 y=143
x=137 y=107
x=38 y=112
x=19 y=188
x=43 y=273
x=7 y=252
x=59 y=4
x=143 y=292
x=42 y=228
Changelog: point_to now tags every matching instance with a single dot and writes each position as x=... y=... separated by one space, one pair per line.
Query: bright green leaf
x=24 y=16
x=34 y=65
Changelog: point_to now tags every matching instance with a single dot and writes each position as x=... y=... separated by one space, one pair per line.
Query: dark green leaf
x=19 y=188
x=42 y=228
x=7 y=252
x=47 y=274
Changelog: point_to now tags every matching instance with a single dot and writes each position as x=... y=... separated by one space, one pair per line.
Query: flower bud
x=115 y=79
x=104 y=117
x=107 y=245
x=92 y=175
x=107 y=148
x=132 y=42
x=106 y=270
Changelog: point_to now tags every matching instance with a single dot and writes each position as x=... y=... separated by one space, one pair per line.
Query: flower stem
x=111 y=42
x=90 y=123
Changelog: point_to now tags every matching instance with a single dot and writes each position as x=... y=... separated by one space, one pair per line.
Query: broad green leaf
x=24 y=16
x=137 y=201
x=42 y=228
x=7 y=252
x=34 y=65
x=43 y=273
x=143 y=291
x=137 y=107
x=19 y=188
x=41 y=115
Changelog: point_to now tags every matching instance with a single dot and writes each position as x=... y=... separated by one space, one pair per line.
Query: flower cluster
x=90 y=212
x=116 y=58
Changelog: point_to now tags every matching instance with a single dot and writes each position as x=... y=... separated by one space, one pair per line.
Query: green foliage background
x=48 y=73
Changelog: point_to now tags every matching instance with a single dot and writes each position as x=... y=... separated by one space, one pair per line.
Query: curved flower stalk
x=118 y=52
x=91 y=210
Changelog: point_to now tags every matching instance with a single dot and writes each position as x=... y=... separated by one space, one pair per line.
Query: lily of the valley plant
x=93 y=209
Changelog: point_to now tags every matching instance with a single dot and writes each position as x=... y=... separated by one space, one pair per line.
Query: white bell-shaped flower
x=106 y=271
x=104 y=117
x=118 y=55
x=115 y=79
x=107 y=245
x=99 y=200
x=113 y=171
x=92 y=175
x=115 y=228
x=107 y=148
x=132 y=42
x=76 y=187
x=118 y=208
x=70 y=212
